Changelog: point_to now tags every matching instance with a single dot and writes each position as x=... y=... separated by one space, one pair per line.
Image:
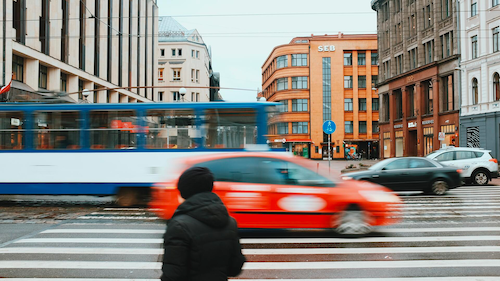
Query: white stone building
x=70 y=45
x=480 y=81
x=184 y=62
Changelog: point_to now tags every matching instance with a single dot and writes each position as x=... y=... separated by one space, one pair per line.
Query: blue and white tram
x=115 y=149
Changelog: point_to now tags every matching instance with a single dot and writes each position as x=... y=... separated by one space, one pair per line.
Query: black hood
x=205 y=207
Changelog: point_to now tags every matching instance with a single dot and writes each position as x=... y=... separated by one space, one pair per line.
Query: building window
x=427 y=16
x=496 y=41
x=362 y=127
x=474 y=46
x=176 y=74
x=197 y=76
x=197 y=54
x=496 y=87
x=386 y=69
x=399 y=104
x=447 y=97
x=17 y=68
x=399 y=33
x=160 y=74
x=64 y=82
x=411 y=101
x=475 y=92
x=361 y=58
x=282 y=61
x=347 y=58
x=192 y=53
x=375 y=105
x=173 y=52
x=193 y=96
x=282 y=84
x=494 y=3
x=176 y=96
x=348 y=105
x=412 y=25
x=299 y=105
x=428 y=47
x=374 y=58
x=284 y=106
x=446 y=8
x=385 y=11
x=282 y=128
x=179 y=52
x=375 y=128
x=399 y=64
x=160 y=96
x=413 y=58
x=362 y=82
x=299 y=128
x=327 y=90
x=428 y=97
x=348 y=127
x=385 y=108
x=446 y=40
x=362 y=104
x=473 y=9
x=19 y=20
x=299 y=82
x=42 y=77
x=374 y=81
x=197 y=96
x=192 y=75
x=44 y=26
x=162 y=52
x=348 y=82
x=299 y=60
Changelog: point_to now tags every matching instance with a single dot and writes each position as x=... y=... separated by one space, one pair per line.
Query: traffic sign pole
x=329 y=153
x=329 y=127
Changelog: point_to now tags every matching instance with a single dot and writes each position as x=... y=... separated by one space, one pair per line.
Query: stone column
x=53 y=79
x=392 y=116
x=419 y=111
x=123 y=98
x=73 y=86
x=435 y=115
x=404 y=98
x=31 y=72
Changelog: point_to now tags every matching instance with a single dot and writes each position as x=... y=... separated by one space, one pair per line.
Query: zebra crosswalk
x=449 y=238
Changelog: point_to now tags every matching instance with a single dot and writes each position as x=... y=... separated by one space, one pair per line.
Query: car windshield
x=432 y=154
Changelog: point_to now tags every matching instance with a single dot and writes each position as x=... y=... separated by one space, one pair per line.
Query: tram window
x=172 y=129
x=230 y=128
x=56 y=130
x=113 y=129
x=11 y=130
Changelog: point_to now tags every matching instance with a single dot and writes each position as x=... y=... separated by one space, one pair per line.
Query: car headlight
x=379 y=196
x=346 y=178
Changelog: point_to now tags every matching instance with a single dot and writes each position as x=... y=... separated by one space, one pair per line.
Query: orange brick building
x=319 y=78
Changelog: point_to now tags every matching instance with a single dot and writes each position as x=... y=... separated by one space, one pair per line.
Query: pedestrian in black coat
x=201 y=242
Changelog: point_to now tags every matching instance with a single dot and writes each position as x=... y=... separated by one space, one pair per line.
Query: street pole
x=329 y=152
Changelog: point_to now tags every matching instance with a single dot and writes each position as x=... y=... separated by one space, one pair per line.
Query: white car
x=477 y=165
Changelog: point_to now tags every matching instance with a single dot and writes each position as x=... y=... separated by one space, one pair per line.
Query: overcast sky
x=242 y=34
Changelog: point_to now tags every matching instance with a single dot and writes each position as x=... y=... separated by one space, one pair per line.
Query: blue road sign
x=329 y=127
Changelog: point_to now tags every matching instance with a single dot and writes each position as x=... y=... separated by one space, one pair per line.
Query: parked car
x=270 y=190
x=477 y=165
x=410 y=174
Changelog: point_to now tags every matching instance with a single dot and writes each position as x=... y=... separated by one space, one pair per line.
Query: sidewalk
x=338 y=165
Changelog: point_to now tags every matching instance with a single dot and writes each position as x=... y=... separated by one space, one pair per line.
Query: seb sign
x=328 y=48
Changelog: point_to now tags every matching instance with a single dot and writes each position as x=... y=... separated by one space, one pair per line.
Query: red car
x=274 y=190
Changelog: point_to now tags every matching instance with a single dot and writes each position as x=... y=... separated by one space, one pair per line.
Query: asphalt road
x=454 y=238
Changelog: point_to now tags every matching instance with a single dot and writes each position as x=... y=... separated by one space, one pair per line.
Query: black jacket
x=201 y=242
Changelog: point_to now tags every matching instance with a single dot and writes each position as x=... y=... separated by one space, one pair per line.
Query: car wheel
x=439 y=187
x=480 y=177
x=353 y=221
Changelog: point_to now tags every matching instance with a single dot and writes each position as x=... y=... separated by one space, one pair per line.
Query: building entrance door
x=412 y=143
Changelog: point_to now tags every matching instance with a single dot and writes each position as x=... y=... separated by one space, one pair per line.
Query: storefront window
x=428 y=140
x=450 y=138
x=387 y=145
x=399 y=143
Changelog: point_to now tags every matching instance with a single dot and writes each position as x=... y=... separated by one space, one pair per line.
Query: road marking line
x=117 y=231
x=447 y=211
x=393 y=250
x=367 y=240
x=76 y=279
x=443 y=229
x=80 y=265
x=468 y=278
x=86 y=217
x=371 y=264
x=119 y=213
x=448 y=207
x=293 y=251
x=447 y=216
x=83 y=251
x=92 y=240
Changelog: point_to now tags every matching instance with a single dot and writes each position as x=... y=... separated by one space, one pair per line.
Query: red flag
x=5 y=88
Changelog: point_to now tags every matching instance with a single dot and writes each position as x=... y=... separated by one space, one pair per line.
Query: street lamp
x=182 y=91
x=85 y=94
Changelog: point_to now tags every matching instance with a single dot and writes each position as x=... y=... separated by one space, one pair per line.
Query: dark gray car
x=410 y=174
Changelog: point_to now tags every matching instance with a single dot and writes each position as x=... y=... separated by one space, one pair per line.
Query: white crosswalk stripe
x=441 y=238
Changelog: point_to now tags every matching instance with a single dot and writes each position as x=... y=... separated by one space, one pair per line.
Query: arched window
x=496 y=87
x=475 y=91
